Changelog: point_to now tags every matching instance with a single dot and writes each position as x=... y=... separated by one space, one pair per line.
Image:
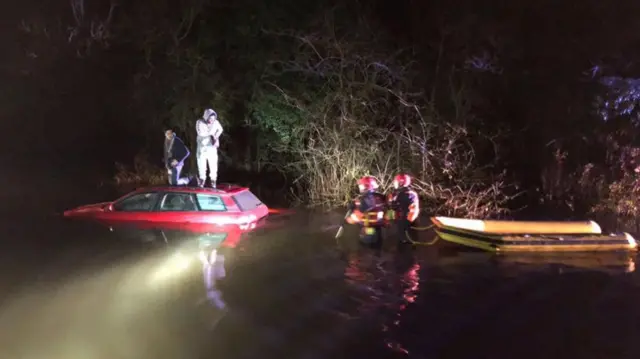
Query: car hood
x=87 y=209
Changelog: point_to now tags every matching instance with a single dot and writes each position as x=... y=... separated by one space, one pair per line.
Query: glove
x=174 y=163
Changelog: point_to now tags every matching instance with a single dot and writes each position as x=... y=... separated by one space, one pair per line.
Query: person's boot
x=200 y=182
x=213 y=184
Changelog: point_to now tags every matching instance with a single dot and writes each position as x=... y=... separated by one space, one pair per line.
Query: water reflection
x=366 y=275
x=279 y=294
x=601 y=262
x=412 y=279
x=410 y=282
x=407 y=280
x=467 y=289
x=386 y=285
x=212 y=271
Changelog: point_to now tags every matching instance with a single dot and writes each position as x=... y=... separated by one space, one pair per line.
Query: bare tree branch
x=365 y=118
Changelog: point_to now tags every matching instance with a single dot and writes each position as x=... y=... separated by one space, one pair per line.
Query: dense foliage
x=480 y=102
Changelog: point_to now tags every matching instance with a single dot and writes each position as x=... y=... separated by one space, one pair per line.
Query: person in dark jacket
x=175 y=153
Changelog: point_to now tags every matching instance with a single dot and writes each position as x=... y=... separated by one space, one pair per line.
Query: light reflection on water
x=291 y=292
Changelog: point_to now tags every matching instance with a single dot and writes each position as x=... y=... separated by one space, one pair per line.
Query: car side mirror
x=110 y=207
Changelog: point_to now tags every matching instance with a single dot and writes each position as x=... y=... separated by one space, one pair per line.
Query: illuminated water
x=73 y=291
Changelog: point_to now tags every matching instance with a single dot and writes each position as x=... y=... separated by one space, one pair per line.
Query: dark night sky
x=74 y=111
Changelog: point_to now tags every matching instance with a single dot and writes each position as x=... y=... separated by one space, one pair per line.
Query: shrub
x=142 y=173
x=357 y=114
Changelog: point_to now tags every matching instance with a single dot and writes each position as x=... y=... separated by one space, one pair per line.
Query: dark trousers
x=371 y=239
x=404 y=230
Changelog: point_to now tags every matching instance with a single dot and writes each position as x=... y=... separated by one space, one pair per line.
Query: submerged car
x=182 y=208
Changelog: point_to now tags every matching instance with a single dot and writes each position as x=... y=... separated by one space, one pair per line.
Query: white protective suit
x=208 y=131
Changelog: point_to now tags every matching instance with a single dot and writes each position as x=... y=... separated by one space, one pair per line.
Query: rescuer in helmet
x=404 y=207
x=367 y=210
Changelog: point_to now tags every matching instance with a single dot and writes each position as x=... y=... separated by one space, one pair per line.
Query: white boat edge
x=478 y=225
x=632 y=241
x=462 y=223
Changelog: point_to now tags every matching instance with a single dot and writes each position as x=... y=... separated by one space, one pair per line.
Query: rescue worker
x=404 y=207
x=175 y=153
x=208 y=130
x=367 y=211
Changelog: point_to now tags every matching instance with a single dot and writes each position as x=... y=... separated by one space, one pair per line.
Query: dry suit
x=367 y=210
x=208 y=130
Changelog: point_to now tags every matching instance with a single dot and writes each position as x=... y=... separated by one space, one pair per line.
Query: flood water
x=75 y=291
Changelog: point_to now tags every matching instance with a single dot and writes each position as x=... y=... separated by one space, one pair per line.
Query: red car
x=180 y=208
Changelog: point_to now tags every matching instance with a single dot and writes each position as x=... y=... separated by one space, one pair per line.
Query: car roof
x=224 y=189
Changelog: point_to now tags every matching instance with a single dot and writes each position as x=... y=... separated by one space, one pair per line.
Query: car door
x=131 y=216
x=195 y=212
x=138 y=207
x=182 y=215
x=176 y=208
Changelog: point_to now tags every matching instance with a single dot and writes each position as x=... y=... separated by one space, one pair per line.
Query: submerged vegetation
x=322 y=94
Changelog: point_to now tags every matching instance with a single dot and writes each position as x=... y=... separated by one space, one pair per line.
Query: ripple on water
x=292 y=291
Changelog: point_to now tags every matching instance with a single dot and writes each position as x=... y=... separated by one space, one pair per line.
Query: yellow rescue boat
x=529 y=236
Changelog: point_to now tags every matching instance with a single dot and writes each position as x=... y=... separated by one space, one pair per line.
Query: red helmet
x=401 y=180
x=367 y=183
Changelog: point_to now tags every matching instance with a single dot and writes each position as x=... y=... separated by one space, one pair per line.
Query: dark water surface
x=75 y=291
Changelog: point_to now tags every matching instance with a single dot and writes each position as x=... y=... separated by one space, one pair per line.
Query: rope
x=422 y=228
x=435 y=239
x=406 y=233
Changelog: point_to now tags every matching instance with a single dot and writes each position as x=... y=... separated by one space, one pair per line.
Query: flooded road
x=75 y=291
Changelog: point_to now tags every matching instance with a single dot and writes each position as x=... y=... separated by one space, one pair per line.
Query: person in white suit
x=208 y=130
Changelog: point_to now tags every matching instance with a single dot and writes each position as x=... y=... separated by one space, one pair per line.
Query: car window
x=181 y=202
x=142 y=202
x=246 y=200
x=209 y=202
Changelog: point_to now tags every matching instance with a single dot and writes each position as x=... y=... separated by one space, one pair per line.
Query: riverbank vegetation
x=479 y=107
